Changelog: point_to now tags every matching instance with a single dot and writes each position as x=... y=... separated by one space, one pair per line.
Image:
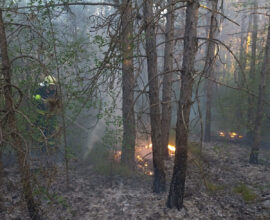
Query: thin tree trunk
x=167 y=79
x=209 y=70
x=260 y=105
x=177 y=187
x=241 y=76
x=128 y=81
x=17 y=141
x=63 y=115
x=252 y=73
x=244 y=48
x=151 y=53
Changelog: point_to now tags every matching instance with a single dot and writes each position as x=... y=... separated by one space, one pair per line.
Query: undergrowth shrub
x=247 y=194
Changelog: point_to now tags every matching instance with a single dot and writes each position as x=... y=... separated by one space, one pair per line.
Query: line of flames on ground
x=232 y=135
x=143 y=156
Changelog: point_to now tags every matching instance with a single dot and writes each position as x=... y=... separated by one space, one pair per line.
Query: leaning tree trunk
x=209 y=70
x=260 y=105
x=128 y=81
x=16 y=140
x=177 y=187
x=252 y=73
x=151 y=53
x=167 y=79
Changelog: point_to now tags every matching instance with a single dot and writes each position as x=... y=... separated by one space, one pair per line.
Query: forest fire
x=117 y=155
x=143 y=157
x=221 y=134
x=171 y=149
x=230 y=135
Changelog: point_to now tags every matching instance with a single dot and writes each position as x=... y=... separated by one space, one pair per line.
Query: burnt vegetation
x=143 y=109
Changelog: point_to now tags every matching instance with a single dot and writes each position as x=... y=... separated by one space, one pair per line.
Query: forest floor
x=220 y=185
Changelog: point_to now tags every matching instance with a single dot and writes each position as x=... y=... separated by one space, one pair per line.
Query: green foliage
x=44 y=194
x=61 y=200
x=70 y=153
x=100 y=40
x=212 y=188
x=247 y=194
x=230 y=111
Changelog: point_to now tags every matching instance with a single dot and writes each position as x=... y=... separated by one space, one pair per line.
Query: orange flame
x=233 y=134
x=171 y=149
x=148 y=146
x=221 y=134
x=142 y=161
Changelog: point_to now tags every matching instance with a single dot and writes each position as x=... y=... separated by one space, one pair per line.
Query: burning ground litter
x=230 y=182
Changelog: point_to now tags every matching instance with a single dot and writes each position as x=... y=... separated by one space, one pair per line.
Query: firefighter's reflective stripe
x=37 y=97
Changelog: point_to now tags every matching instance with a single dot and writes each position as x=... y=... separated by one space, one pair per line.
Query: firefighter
x=46 y=100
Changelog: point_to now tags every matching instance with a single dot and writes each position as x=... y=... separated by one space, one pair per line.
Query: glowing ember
x=150 y=173
x=139 y=158
x=233 y=134
x=146 y=165
x=171 y=149
x=117 y=155
x=221 y=134
x=143 y=157
x=148 y=146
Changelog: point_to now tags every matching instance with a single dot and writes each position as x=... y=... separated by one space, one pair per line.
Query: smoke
x=95 y=136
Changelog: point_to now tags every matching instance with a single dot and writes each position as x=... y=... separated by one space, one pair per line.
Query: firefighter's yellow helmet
x=50 y=80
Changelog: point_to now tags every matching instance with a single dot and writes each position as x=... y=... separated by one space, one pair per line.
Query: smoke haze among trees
x=126 y=109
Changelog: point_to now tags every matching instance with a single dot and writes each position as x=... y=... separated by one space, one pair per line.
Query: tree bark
x=177 y=186
x=209 y=70
x=128 y=83
x=260 y=105
x=167 y=79
x=159 y=184
x=244 y=48
x=17 y=141
x=252 y=73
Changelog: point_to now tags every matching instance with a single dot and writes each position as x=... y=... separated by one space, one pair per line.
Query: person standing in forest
x=47 y=104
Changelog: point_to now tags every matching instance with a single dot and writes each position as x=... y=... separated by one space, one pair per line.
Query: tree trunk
x=17 y=141
x=209 y=70
x=252 y=73
x=177 y=187
x=151 y=53
x=128 y=81
x=260 y=105
x=244 y=48
x=167 y=79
